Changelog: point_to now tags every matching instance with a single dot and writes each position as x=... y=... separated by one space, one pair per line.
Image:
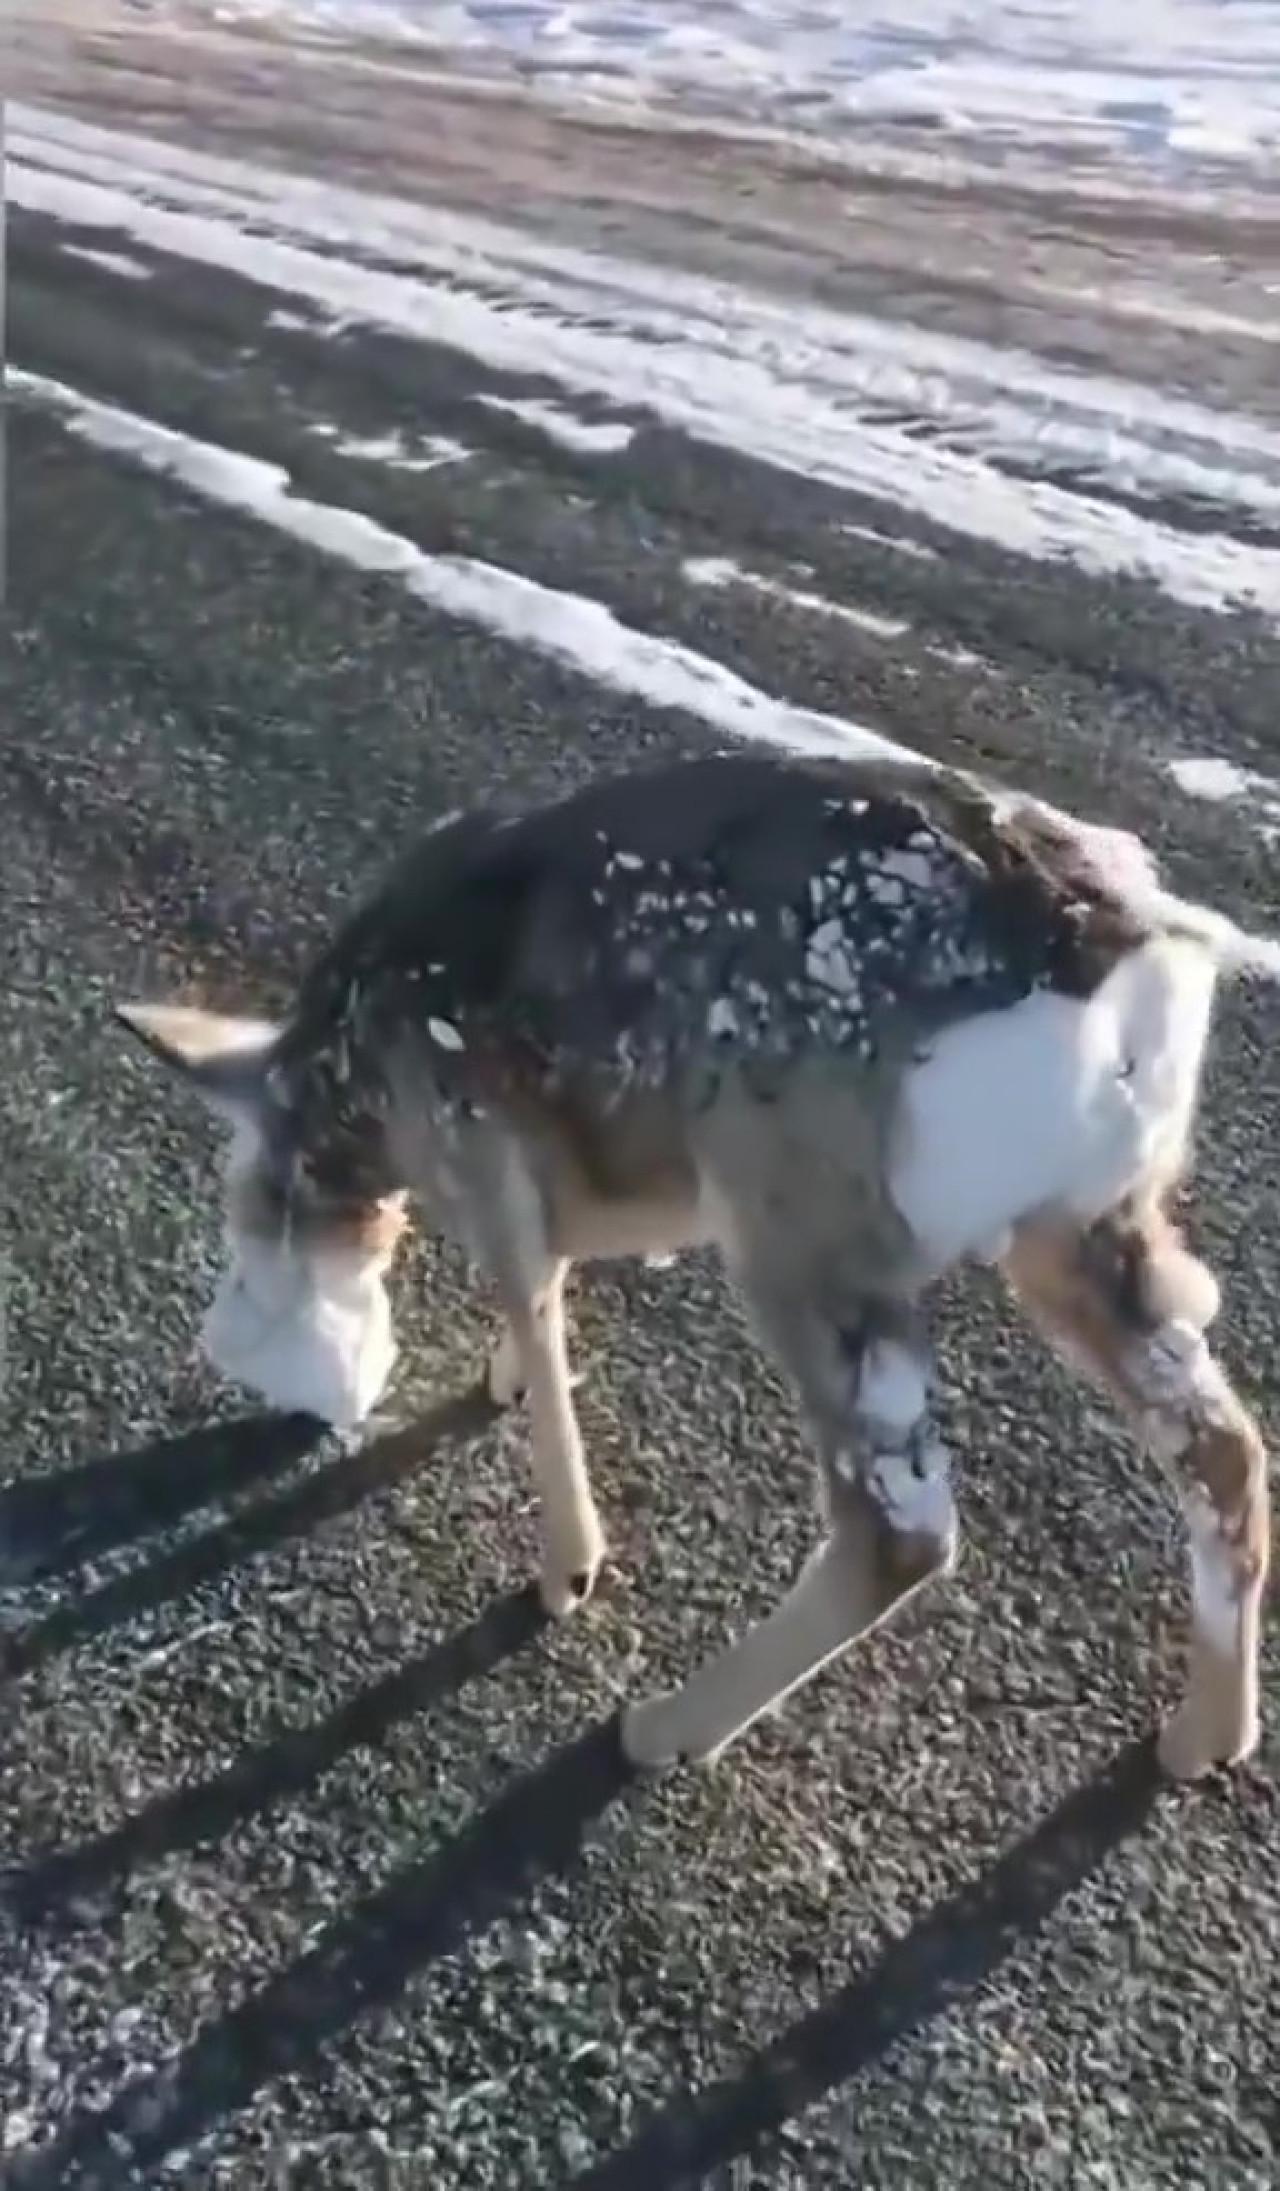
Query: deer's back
x=732 y=912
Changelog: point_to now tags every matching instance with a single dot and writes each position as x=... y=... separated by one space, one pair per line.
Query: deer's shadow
x=54 y=1526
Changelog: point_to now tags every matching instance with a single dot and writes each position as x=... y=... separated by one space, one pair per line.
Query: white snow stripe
x=567 y=626
x=112 y=262
x=720 y=571
x=591 y=436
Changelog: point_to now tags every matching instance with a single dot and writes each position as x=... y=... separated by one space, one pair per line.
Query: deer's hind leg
x=1127 y=1302
x=860 y=1363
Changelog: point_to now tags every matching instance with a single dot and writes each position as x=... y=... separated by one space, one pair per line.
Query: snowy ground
x=991 y=442
x=1173 y=83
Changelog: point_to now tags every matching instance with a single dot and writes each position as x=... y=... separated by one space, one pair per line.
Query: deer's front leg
x=504 y=1372
x=1126 y=1300
x=573 y=1538
x=505 y=1378
x=504 y=1222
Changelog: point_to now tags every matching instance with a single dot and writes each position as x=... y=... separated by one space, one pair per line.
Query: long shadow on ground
x=194 y=1816
x=539 y=1825
x=946 y=1955
x=51 y=1524
x=243 y=1453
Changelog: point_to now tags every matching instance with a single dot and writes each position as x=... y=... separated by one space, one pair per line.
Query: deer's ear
x=223 y=1059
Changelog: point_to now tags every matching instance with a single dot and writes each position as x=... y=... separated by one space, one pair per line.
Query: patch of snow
x=392 y=449
x=897 y=541
x=113 y=262
x=718 y=570
x=1226 y=783
x=1209 y=778
x=962 y=658
x=937 y=425
x=715 y=570
x=601 y=437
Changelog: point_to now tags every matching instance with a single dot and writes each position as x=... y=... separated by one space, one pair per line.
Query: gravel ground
x=320 y=1867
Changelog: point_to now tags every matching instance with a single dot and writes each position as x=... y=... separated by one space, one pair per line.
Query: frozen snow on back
x=1172 y=81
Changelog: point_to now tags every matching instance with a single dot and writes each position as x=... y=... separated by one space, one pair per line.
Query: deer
x=849 y=1024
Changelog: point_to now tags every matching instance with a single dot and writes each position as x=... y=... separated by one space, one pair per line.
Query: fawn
x=849 y=1023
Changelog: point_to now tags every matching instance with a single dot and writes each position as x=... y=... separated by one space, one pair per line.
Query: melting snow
x=1225 y=783
x=721 y=570
x=827 y=394
x=897 y=541
x=716 y=570
x=427 y=455
x=113 y=262
x=601 y=437
x=1210 y=778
